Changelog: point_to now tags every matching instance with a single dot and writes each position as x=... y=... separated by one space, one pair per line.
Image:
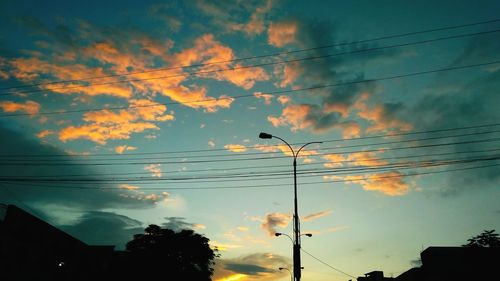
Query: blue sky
x=116 y=116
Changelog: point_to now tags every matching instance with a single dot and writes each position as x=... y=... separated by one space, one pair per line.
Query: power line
x=255 y=65
x=185 y=158
x=360 y=179
x=273 y=175
x=12 y=163
x=336 y=269
x=259 y=146
x=258 y=56
x=264 y=166
x=271 y=93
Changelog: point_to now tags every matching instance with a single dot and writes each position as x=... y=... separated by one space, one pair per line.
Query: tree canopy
x=488 y=238
x=183 y=255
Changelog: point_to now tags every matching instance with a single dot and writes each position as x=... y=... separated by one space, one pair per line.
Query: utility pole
x=297 y=267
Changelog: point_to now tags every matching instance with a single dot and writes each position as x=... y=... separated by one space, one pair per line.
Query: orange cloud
x=316 y=215
x=125 y=58
x=116 y=90
x=253 y=267
x=335 y=160
x=293 y=115
x=282 y=33
x=122 y=148
x=284 y=99
x=100 y=133
x=365 y=159
x=44 y=133
x=341 y=108
x=256 y=23
x=350 y=130
x=149 y=110
x=235 y=147
x=273 y=220
x=288 y=73
x=389 y=183
x=106 y=124
x=154 y=169
x=29 y=69
x=274 y=148
x=267 y=97
x=129 y=187
x=29 y=107
x=380 y=117
x=217 y=58
x=195 y=97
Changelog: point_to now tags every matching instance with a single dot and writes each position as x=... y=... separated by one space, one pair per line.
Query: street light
x=284 y=268
x=304 y=234
x=296 y=225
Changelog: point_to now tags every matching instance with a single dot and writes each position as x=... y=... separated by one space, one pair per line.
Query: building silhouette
x=32 y=249
x=449 y=263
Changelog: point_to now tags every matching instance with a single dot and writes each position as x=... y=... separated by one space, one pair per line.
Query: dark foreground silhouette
x=477 y=260
x=31 y=249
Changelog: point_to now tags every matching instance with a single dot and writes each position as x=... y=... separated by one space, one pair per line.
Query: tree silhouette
x=183 y=255
x=488 y=238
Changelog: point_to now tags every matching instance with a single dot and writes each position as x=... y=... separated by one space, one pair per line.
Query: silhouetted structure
x=31 y=249
x=374 y=276
x=449 y=263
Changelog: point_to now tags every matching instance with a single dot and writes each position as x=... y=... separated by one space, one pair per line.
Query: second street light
x=296 y=224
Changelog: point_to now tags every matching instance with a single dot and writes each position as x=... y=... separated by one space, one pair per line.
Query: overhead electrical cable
x=250 y=66
x=256 y=186
x=186 y=158
x=295 y=90
x=27 y=163
x=266 y=167
x=259 y=56
x=391 y=135
x=264 y=176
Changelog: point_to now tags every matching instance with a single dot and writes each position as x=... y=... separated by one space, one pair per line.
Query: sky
x=117 y=115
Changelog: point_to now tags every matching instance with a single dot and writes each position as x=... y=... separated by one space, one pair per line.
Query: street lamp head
x=308 y=234
x=278 y=234
x=281 y=268
x=263 y=135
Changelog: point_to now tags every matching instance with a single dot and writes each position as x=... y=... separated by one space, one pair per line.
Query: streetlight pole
x=296 y=224
x=284 y=268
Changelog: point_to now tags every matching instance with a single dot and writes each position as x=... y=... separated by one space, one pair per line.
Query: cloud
x=106 y=124
x=30 y=107
x=179 y=223
x=106 y=52
x=42 y=196
x=273 y=220
x=217 y=57
x=129 y=187
x=389 y=183
x=168 y=13
x=154 y=169
x=44 y=133
x=335 y=106
x=104 y=228
x=266 y=97
x=282 y=33
x=382 y=116
x=247 y=16
x=257 y=266
x=365 y=159
x=317 y=215
x=122 y=148
x=256 y=24
x=235 y=147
